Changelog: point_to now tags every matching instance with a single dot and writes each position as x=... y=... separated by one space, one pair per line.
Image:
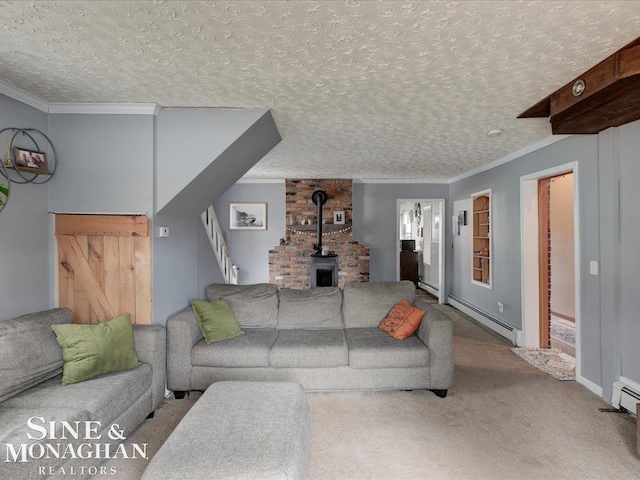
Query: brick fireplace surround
x=290 y=262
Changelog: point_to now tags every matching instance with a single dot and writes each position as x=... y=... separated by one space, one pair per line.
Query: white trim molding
x=402 y=181
x=521 y=152
x=529 y=287
x=261 y=180
x=589 y=385
x=105 y=108
x=24 y=97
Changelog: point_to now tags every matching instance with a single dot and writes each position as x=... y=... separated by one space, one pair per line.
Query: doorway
x=103 y=267
x=556 y=259
x=550 y=254
x=420 y=235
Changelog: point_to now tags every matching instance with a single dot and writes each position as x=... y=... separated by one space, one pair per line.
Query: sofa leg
x=151 y=414
x=440 y=393
x=179 y=394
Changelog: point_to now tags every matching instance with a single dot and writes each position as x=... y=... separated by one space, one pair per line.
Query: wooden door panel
x=127 y=278
x=104 y=270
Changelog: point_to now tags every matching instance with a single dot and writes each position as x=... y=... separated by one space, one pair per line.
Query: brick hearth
x=290 y=262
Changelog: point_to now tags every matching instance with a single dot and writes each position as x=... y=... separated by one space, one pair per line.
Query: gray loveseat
x=30 y=386
x=324 y=339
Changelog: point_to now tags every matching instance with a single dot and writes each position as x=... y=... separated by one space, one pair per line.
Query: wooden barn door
x=104 y=267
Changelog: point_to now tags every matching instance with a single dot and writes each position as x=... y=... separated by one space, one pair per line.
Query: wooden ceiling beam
x=611 y=96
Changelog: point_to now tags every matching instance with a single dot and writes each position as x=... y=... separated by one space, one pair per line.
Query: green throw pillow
x=92 y=350
x=216 y=320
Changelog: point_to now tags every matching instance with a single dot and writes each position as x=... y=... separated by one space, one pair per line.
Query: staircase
x=211 y=225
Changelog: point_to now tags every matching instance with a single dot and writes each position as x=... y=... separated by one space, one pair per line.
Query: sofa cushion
x=14 y=430
x=104 y=398
x=92 y=350
x=373 y=348
x=309 y=349
x=216 y=320
x=366 y=304
x=29 y=352
x=248 y=350
x=318 y=308
x=255 y=306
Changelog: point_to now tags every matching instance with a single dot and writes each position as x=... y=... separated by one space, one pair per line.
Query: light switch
x=593 y=267
x=163 y=232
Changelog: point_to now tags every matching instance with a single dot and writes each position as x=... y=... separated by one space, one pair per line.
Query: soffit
x=366 y=90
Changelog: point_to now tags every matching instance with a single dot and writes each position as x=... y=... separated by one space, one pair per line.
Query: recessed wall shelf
x=481 y=251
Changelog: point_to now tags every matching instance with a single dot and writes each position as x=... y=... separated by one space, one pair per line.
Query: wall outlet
x=163 y=232
x=593 y=267
x=500 y=307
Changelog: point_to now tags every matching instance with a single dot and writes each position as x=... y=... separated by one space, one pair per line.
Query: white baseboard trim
x=589 y=385
x=510 y=333
x=433 y=291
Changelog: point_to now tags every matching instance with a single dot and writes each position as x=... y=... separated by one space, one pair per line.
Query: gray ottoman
x=239 y=430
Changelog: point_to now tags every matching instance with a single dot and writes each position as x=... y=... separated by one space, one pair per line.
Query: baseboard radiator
x=512 y=334
x=626 y=395
x=432 y=290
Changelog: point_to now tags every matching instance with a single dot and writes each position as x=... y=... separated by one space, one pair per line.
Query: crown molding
x=261 y=180
x=401 y=181
x=543 y=142
x=81 y=108
x=24 y=97
x=105 y=108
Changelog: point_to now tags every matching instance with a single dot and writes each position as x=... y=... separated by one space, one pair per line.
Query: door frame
x=441 y=237
x=529 y=256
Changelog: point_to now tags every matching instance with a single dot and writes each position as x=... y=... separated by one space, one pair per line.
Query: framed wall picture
x=338 y=217
x=248 y=216
x=30 y=160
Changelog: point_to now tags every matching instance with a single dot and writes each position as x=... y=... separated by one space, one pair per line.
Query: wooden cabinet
x=409 y=266
x=482 y=253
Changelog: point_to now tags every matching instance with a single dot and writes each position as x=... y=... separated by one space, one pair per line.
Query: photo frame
x=338 y=217
x=247 y=216
x=30 y=160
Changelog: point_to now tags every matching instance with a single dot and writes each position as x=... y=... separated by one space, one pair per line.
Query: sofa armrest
x=436 y=331
x=151 y=346
x=182 y=334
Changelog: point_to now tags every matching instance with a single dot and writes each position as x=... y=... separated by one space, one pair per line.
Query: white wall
x=562 y=251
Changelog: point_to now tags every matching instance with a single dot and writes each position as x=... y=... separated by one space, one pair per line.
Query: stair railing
x=214 y=232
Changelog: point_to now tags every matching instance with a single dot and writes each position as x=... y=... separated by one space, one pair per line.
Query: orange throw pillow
x=402 y=320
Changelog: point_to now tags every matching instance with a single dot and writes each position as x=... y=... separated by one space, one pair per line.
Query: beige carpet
x=504 y=419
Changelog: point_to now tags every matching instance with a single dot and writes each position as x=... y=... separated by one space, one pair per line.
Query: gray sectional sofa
x=324 y=339
x=30 y=386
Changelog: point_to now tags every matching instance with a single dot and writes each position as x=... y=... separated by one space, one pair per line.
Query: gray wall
x=629 y=153
x=203 y=152
x=375 y=222
x=249 y=250
x=106 y=163
x=505 y=225
x=175 y=266
x=24 y=228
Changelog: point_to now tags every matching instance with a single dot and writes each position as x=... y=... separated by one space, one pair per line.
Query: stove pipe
x=319 y=198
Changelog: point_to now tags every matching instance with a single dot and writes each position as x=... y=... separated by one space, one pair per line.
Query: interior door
x=104 y=267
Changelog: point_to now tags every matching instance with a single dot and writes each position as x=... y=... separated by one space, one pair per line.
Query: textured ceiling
x=358 y=89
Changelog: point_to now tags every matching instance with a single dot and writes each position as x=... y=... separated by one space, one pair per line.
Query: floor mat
x=551 y=361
